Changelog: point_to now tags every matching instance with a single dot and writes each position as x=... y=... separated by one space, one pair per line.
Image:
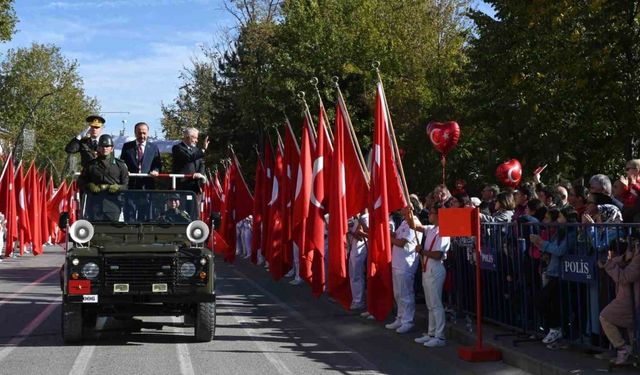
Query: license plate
x=90 y=298
x=159 y=288
x=121 y=288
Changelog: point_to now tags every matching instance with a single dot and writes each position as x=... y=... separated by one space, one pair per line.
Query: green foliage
x=248 y=88
x=41 y=90
x=8 y=20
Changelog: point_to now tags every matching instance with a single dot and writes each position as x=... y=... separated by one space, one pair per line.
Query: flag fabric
x=56 y=204
x=267 y=188
x=24 y=233
x=338 y=279
x=275 y=220
x=258 y=203
x=357 y=175
x=291 y=161
x=44 y=198
x=312 y=258
x=33 y=202
x=238 y=204
x=8 y=204
x=386 y=196
x=302 y=194
x=71 y=202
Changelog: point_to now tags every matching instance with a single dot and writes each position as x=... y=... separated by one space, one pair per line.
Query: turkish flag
x=53 y=224
x=386 y=196
x=71 y=202
x=24 y=233
x=35 y=209
x=238 y=204
x=8 y=203
x=302 y=194
x=216 y=193
x=356 y=175
x=338 y=279
x=258 y=203
x=312 y=258
x=56 y=204
x=267 y=190
x=219 y=245
x=275 y=220
x=44 y=198
x=291 y=161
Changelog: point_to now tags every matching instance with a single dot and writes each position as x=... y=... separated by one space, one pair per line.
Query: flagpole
x=237 y=163
x=354 y=138
x=307 y=115
x=295 y=142
x=314 y=81
x=376 y=66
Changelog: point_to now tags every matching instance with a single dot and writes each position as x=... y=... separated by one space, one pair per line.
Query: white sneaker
x=260 y=261
x=296 y=281
x=356 y=307
x=406 y=327
x=424 y=338
x=622 y=356
x=553 y=336
x=435 y=343
x=291 y=273
x=394 y=325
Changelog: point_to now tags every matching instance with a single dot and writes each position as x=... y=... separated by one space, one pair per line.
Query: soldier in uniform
x=105 y=174
x=86 y=142
x=174 y=214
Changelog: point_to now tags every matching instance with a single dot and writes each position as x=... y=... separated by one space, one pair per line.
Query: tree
x=8 y=20
x=42 y=91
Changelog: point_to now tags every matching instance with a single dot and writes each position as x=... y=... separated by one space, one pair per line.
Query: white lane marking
x=82 y=360
x=26 y=288
x=184 y=358
x=254 y=335
x=362 y=361
x=26 y=331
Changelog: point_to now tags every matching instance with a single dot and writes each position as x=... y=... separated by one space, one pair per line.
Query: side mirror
x=63 y=221
x=215 y=220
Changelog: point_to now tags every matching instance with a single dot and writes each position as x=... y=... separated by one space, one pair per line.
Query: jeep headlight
x=90 y=270
x=187 y=269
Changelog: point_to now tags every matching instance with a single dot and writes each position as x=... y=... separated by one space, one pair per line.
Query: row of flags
x=31 y=207
x=299 y=190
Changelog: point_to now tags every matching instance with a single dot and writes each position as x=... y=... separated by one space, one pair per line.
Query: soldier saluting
x=86 y=142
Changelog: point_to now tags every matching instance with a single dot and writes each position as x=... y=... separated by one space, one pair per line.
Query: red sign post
x=465 y=222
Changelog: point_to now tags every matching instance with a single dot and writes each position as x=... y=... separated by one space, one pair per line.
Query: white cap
x=475 y=201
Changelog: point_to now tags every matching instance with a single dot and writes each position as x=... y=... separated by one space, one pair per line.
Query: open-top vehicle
x=137 y=253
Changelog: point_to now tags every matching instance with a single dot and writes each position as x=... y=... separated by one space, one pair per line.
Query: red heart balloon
x=443 y=135
x=509 y=173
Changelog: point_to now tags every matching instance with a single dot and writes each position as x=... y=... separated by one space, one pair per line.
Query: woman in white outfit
x=432 y=253
x=404 y=262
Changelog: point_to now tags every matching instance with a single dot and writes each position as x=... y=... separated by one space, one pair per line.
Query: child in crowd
x=432 y=253
x=547 y=302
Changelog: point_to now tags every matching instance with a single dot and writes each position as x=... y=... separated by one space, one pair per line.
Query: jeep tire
x=205 y=324
x=71 y=322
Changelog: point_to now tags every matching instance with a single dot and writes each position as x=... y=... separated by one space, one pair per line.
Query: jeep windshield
x=141 y=207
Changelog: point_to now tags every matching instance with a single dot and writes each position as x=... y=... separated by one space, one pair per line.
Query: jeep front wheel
x=71 y=322
x=205 y=324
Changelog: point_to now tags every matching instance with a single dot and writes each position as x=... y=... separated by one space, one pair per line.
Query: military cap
x=95 y=121
x=173 y=197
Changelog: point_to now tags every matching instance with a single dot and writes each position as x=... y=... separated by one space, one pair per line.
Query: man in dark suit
x=141 y=156
x=188 y=158
x=86 y=142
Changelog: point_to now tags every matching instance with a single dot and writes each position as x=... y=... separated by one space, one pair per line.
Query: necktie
x=94 y=144
x=140 y=154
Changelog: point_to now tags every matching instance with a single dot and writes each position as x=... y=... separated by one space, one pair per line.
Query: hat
x=173 y=197
x=475 y=201
x=105 y=140
x=95 y=121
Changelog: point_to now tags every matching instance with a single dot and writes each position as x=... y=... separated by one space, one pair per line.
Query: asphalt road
x=263 y=328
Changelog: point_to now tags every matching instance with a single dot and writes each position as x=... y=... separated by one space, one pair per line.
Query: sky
x=130 y=53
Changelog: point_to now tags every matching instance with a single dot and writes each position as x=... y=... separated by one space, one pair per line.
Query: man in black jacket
x=188 y=158
x=141 y=156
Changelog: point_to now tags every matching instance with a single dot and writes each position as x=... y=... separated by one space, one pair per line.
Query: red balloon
x=443 y=135
x=509 y=173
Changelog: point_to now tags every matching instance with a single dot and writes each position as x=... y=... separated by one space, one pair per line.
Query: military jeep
x=134 y=253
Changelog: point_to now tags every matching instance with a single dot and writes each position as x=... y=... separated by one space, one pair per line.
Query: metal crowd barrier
x=512 y=277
